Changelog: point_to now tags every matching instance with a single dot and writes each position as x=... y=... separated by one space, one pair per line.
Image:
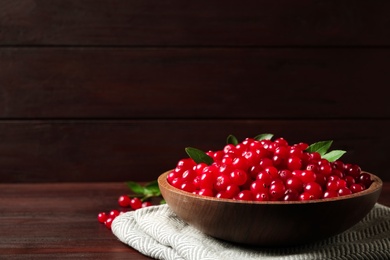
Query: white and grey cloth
x=157 y=232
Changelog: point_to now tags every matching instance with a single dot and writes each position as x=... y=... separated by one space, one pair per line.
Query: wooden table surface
x=58 y=221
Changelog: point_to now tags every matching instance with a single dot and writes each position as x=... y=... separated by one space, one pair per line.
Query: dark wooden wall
x=110 y=90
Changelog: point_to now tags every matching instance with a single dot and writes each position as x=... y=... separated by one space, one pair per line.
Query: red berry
x=221 y=182
x=113 y=213
x=244 y=195
x=206 y=192
x=355 y=187
x=308 y=176
x=135 y=203
x=294 y=163
x=365 y=179
x=306 y=196
x=124 y=201
x=102 y=216
x=294 y=183
x=108 y=222
x=188 y=186
x=344 y=191
x=146 y=204
x=238 y=177
x=277 y=189
x=232 y=190
x=259 y=186
x=291 y=195
x=330 y=194
x=262 y=196
x=314 y=188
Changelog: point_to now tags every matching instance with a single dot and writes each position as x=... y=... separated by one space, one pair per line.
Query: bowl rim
x=374 y=187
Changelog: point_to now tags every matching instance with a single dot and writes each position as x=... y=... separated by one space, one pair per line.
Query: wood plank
x=194 y=83
x=59 y=221
x=189 y=23
x=141 y=150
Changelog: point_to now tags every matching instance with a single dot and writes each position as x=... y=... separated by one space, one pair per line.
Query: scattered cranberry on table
x=125 y=202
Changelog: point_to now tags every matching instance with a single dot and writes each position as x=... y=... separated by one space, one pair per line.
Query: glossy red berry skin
x=314 y=189
x=113 y=213
x=244 y=195
x=102 y=217
x=238 y=177
x=124 y=201
x=135 y=203
x=108 y=222
x=146 y=204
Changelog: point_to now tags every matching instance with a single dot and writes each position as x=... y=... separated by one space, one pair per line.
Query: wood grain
x=196 y=23
x=140 y=150
x=203 y=83
x=59 y=221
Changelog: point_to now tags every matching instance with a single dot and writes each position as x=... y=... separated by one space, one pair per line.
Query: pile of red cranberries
x=268 y=170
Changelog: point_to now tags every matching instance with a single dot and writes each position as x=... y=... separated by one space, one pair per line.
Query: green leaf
x=264 y=137
x=320 y=147
x=231 y=139
x=333 y=155
x=198 y=156
x=152 y=188
x=136 y=187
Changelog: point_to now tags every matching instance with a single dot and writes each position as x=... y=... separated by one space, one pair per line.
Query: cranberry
x=365 y=179
x=146 y=204
x=113 y=213
x=294 y=183
x=188 y=186
x=135 y=203
x=206 y=192
x=277 y=189
x=124 y=201
x=356 y=187
x=264 y=177
x=206 y=180
x=108 y=222
x=294 y=163
x=307 y=176
x=262 y=196
x=344 y=191
x=314 y=188
x=221 y=182
x=238 y=177
x=102 y=217
x=330 y=194
x=244 y=195
x=259 y=186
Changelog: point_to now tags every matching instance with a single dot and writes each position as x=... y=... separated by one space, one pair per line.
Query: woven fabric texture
x=158 y=233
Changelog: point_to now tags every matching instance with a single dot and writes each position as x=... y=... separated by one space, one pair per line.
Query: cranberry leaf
x=231 y=139
x=136 y=187
x=321 y=147
x=333 y=155
x=199 y=156
x=266 y=136
x=152 y=189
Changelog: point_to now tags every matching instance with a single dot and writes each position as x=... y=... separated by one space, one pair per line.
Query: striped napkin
x=158 y=233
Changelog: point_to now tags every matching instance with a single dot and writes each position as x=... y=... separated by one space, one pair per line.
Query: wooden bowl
x=276 y=223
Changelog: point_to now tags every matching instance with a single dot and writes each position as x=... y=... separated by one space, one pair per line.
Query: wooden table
x=58 y=221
